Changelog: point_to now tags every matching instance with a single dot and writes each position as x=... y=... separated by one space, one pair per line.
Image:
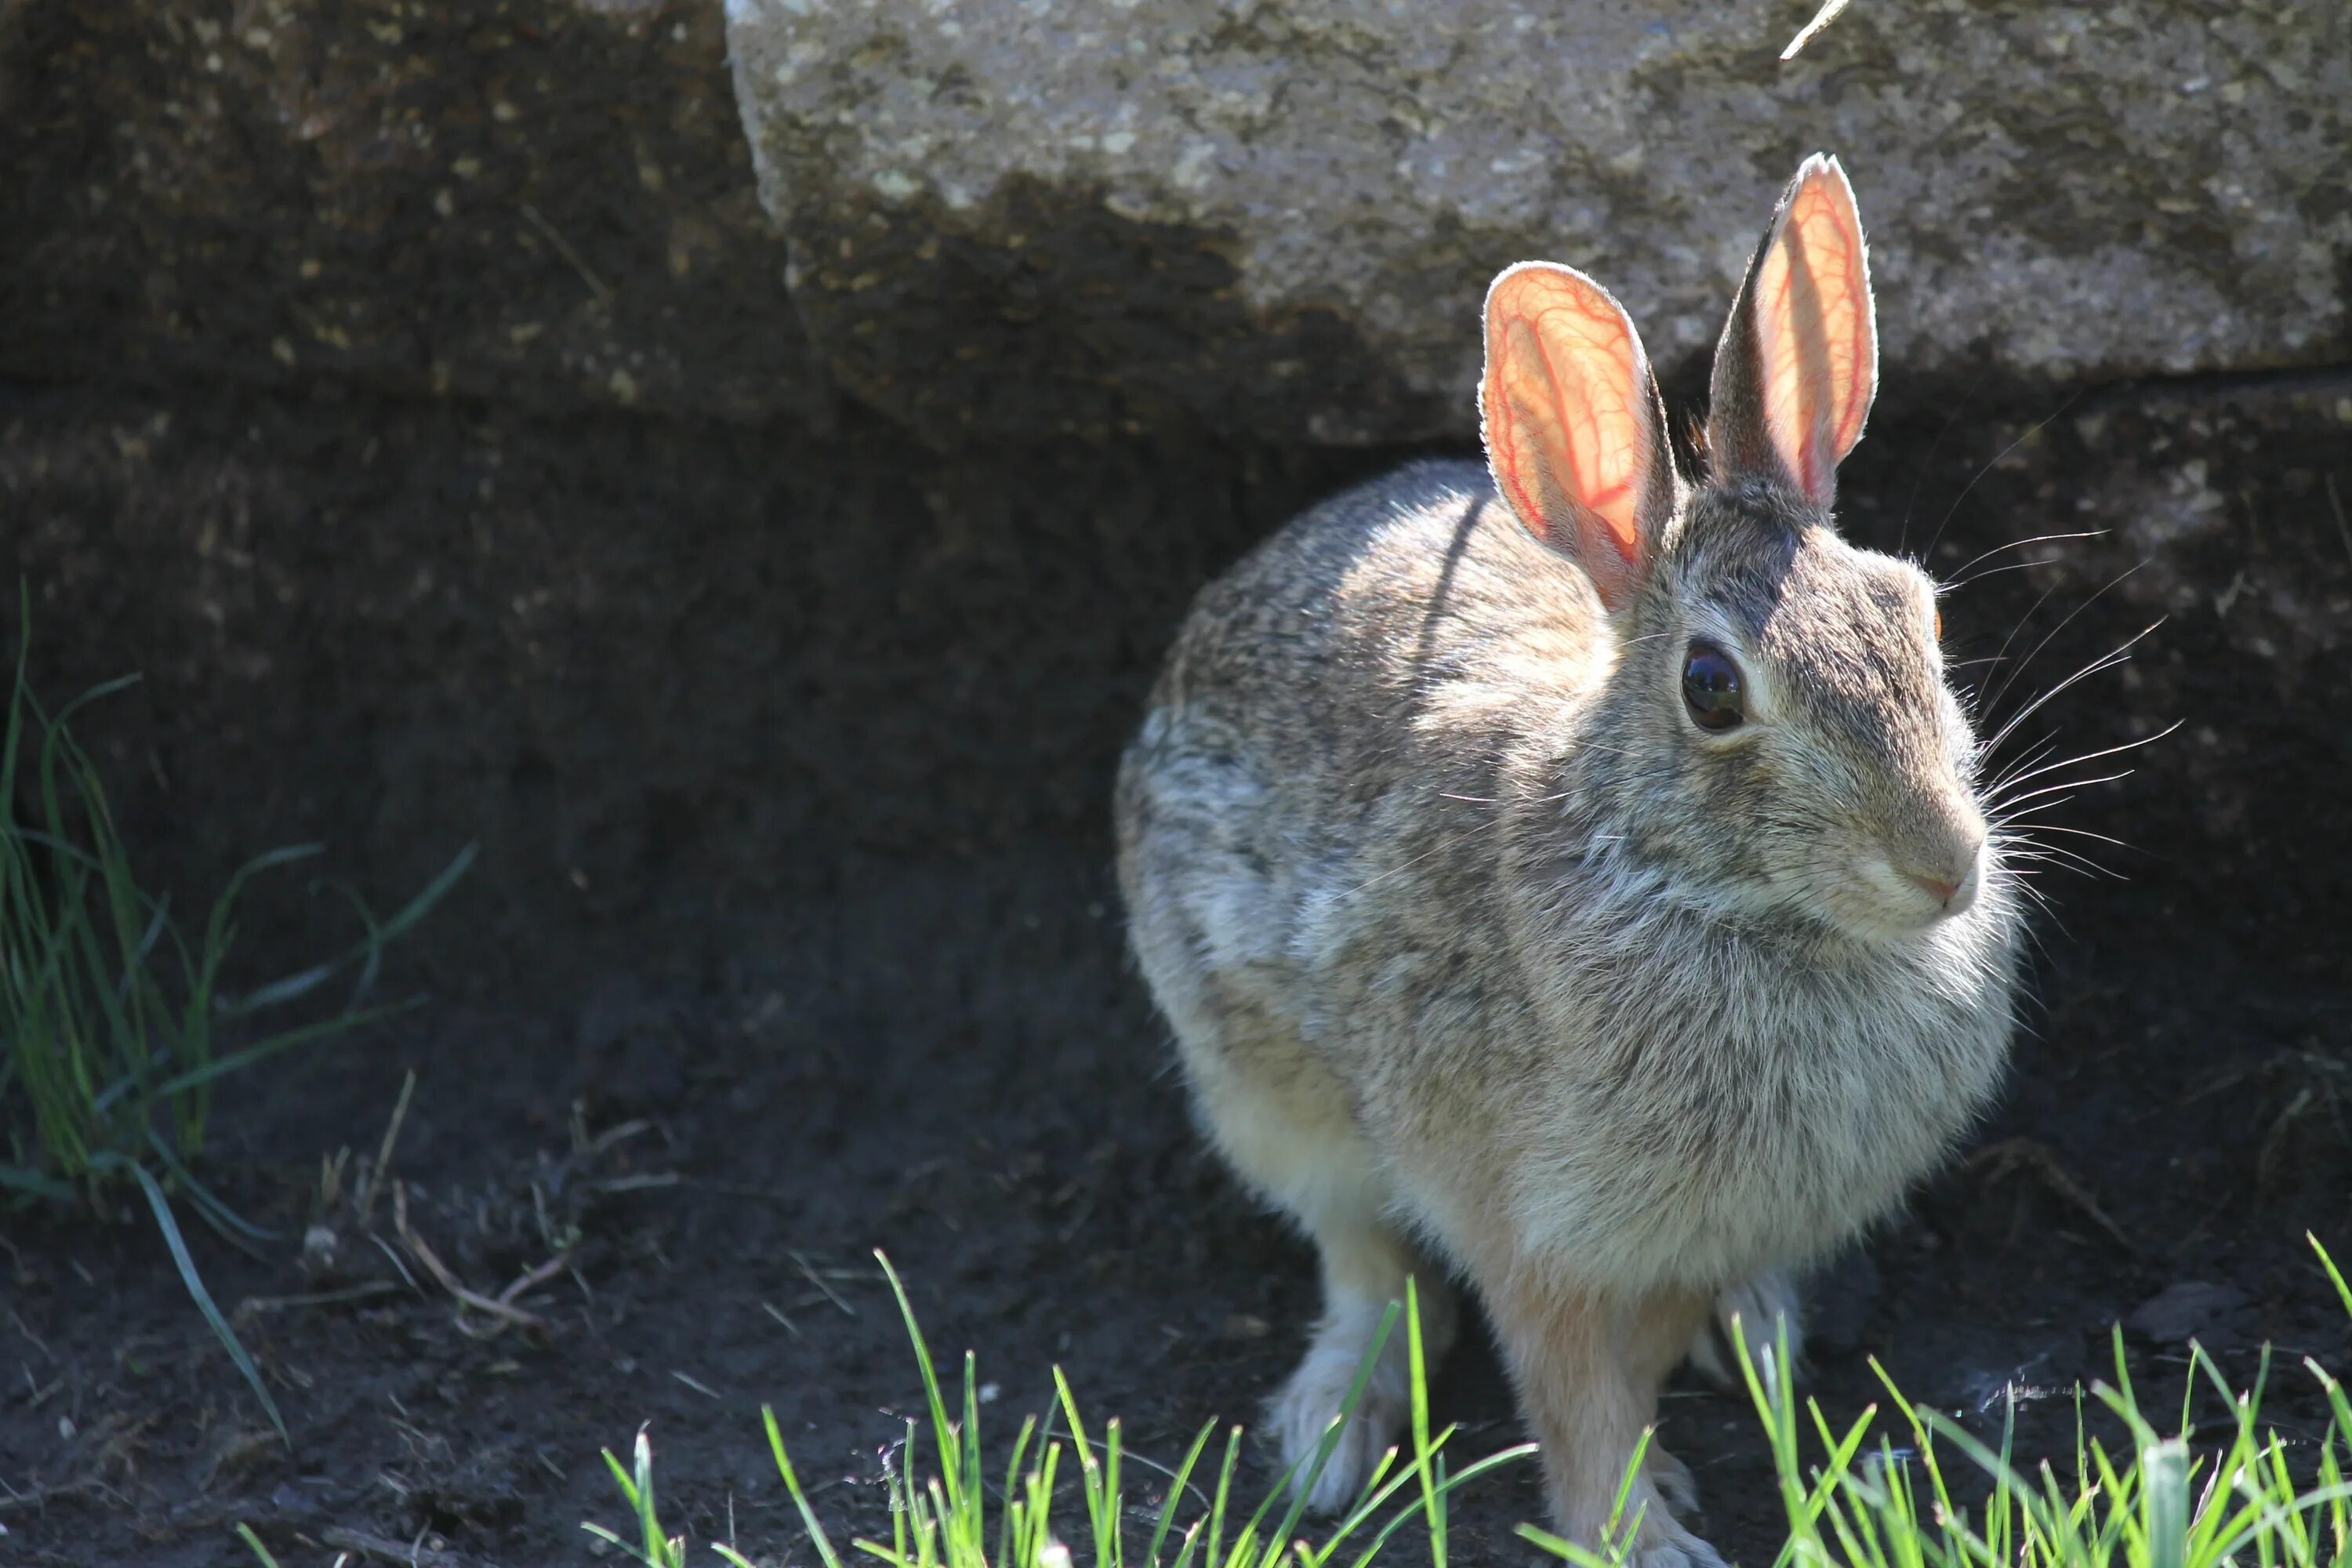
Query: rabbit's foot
x=1664 y=1543
x=1673 y=1481
x=1663 y=1500
x=1302 y=1412
x=1758 y=1307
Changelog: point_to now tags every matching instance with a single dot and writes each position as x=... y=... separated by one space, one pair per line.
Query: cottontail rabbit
x=1575 y=881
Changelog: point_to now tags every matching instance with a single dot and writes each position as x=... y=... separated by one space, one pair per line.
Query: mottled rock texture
x=520 y=201
x=1280 y=214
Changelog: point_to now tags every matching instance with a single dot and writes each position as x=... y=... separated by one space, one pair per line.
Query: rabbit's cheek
x=1850 y=884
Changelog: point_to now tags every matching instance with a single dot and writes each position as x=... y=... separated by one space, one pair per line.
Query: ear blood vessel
x=1497 y=956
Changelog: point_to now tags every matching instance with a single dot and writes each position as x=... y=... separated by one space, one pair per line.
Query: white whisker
x=2004 y=804
x=2066 y=860
x=2009 y=774
x=1995 y=571
x=2011 y=779
x=2104 y=661
x=1903 y=541
x=2079 y=832
x=1960 y=578
x=2001 y=653
x=2031 y=431
x=2031 y=818
x=2113 y=583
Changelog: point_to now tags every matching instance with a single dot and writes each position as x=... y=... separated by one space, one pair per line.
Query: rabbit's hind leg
x=1207 y=933
x=1365 y=1267
x=1281 y=1120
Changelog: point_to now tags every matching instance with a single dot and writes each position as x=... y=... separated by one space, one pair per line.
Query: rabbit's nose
x=1942 y=891
x=1952 y=881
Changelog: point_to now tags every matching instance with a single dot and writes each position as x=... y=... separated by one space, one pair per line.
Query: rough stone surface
x=1281 y=216
x=521 y=201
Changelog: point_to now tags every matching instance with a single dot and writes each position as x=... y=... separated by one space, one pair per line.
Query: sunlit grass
x=2238 y=1497
x=2176 y=1499
x=941 y=1515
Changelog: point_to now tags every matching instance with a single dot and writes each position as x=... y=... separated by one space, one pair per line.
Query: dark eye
x=1711 y=688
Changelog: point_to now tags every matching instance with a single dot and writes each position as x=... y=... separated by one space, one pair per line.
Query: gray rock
x=367 y=305
x=1280 y=217
x=521 y=202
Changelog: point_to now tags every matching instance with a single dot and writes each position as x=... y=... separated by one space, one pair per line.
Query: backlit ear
x=1797 y=365
x=1575 y=434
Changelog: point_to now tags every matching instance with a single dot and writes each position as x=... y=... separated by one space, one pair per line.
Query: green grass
x=940 y=1511
x=2182 y=1499
x=2186 y=1498
x=114 y=1030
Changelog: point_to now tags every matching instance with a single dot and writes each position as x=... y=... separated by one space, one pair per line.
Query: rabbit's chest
x=1705 y=1135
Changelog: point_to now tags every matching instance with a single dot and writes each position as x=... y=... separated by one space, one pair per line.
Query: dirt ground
x=986 y=1106
x=794 y=936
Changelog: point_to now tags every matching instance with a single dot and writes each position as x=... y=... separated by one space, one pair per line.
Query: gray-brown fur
x=1483 y=961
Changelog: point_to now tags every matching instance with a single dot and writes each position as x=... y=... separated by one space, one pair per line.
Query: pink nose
x=1941 y=890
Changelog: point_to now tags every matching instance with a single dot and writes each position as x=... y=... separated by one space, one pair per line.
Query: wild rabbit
x=1576 y=882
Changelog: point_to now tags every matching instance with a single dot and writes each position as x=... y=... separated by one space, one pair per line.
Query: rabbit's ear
x=1797 y=364
x=1575 y=434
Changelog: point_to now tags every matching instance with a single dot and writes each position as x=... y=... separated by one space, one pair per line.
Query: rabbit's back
x=1348 y=689
x=1309 y=812
x=1344 y=657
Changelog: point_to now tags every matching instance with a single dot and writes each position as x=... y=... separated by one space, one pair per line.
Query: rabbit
x=1571 y=878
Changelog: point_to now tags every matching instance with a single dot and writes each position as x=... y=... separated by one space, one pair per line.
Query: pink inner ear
x=1815 y=336
x=1566 y=438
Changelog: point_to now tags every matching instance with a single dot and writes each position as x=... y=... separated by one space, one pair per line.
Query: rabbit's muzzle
x=1936 y=881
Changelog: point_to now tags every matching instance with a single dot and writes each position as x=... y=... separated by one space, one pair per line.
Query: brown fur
x=1485 y=961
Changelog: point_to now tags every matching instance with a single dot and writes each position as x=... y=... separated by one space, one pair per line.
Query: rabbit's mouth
x=1884 y=898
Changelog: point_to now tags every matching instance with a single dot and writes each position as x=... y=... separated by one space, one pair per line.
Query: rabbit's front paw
x=1757 y=1310
x=1302 y=1413
x=1672 y=1480
x=1665 y=1544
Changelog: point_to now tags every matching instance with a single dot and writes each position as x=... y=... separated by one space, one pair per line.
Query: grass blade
x=203 y=1298
x=245 y=1534
x=368 y=952
x=286 y=1040
x=817 y=1537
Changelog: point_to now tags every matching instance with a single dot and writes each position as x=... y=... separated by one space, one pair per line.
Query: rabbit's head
x=1777 y=735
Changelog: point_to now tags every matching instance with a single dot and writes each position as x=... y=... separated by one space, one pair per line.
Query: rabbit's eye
x=1711 y=688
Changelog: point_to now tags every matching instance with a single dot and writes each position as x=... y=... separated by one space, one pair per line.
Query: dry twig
x=539 y=1276
x=506 y=1312
x=2011 y=1156
x=383 y=1152
x=1829 y=12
